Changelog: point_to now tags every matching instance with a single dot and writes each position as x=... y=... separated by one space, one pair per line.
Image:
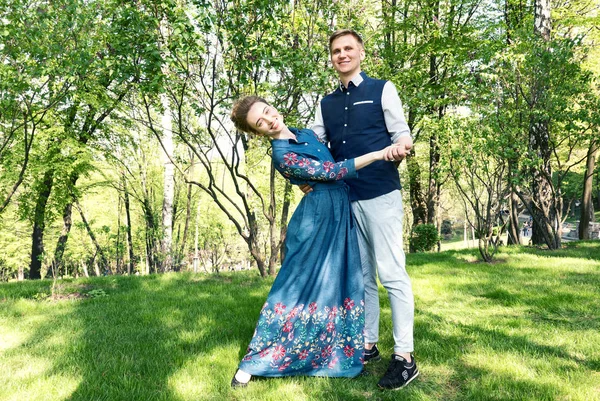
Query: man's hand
x=396 y=152
x=305 y=188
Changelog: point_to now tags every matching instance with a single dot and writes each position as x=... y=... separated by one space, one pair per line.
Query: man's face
x=346 y=55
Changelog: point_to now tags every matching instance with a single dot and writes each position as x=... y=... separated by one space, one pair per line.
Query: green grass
x=524 y=328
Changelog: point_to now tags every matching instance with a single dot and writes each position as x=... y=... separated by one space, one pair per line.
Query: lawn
x=524 y=328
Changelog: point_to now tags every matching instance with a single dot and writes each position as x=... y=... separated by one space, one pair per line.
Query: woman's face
x=265 y=119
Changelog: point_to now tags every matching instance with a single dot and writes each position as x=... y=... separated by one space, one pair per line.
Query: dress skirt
x=313 y=319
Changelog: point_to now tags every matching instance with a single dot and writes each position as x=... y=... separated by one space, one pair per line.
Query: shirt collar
x=296 y=131
x=356 y=80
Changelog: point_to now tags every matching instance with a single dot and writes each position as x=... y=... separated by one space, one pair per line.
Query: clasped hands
x=396 y=152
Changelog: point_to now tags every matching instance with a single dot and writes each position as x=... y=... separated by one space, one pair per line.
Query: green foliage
x=41 y=296
x=75 y=80
x=424 y=237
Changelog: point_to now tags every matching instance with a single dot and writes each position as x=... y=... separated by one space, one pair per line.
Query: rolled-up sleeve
x=318 y=125
x=393 y=112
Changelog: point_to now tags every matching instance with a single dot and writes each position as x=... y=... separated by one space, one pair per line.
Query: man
x=361 y=115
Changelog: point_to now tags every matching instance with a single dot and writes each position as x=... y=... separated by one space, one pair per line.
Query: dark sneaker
x=236 y=384
x=372 y=355
x=399 y=373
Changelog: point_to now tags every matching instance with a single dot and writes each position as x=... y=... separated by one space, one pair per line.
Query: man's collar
x=356 y=80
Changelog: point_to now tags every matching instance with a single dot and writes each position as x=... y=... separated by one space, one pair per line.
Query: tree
x=479 y=168
x=587 y=206
x=425 y=48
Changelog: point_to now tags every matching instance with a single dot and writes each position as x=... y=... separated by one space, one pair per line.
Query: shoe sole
x=375 y=359
x=402 y=386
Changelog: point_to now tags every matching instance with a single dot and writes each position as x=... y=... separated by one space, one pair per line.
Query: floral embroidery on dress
x=316 y=336
x=305 y=168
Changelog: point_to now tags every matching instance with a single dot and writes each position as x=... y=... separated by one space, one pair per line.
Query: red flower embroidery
x=290 y=159
x=328 y=166
x=304 y=162
x=303 y=355
x=279 y=308
x=326 y=352
x=348 y=351
x=343 y=172
x=330 y=327
x=333 y=313
x=263 y=353
x=312 y=307
x=288 y=326
x=278 y=352
x=348 y=303
x=293 y=313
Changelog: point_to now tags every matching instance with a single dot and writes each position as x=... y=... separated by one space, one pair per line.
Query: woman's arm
x=298 y=166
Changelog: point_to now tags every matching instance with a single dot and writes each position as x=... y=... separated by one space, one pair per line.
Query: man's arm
x=318 y=125
x=395 y=122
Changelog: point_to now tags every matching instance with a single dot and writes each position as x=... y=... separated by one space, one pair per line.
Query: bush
x=423 y=238
x=446 y=228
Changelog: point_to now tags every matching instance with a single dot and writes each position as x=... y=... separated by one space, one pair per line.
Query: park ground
x=526 y=327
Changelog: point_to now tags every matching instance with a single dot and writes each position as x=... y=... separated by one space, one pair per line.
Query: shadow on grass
x=129 y=344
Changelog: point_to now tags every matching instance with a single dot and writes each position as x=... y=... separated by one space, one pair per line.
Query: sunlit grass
x=523 y=328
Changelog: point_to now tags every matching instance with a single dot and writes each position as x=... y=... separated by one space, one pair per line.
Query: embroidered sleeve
x=304 y=167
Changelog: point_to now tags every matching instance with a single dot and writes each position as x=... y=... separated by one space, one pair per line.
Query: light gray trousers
x=379 y=232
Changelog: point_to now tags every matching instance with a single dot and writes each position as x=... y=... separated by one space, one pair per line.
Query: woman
x=312 y=322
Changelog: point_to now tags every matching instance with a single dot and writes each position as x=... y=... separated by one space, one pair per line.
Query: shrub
x=423 y=238
x=446 y=227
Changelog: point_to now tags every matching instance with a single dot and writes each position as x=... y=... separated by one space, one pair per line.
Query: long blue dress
x=312 y=322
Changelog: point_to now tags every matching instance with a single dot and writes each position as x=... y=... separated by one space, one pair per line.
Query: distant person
x=313 y=319
x=365 y=114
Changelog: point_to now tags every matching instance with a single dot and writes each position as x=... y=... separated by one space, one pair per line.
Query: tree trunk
x=103 y=259
x=39 y=223
x=587 y=206
x=285 y=212
x=546 y=214
x=169 y=186
x=61 y=244
x=274 y=239
x=188 y=216
x=433 y=192
x=514 y=231
x=130 y=265
x=417 y=200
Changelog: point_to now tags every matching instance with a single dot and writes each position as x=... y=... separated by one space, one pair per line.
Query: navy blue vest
x=355 y=125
